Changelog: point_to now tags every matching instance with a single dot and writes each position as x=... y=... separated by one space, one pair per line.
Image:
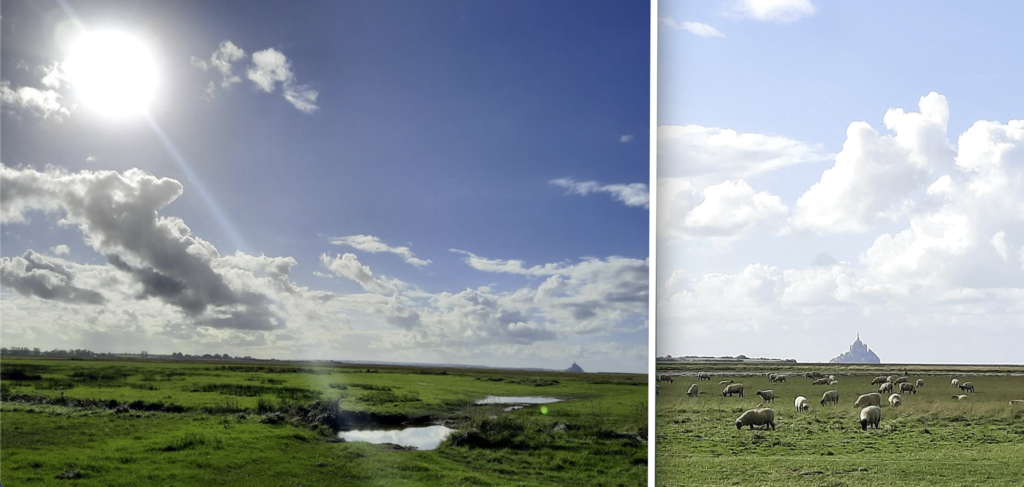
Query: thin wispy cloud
x=369 y=243
x=633 y=194
x=269 y=70
x=696 y=28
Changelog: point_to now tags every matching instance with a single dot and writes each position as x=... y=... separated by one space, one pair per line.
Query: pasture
x=930 y=440
x=147 y=422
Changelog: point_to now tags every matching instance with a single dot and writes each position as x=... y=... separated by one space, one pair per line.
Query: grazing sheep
x=870 y=415
x=733 y=389
x=809 y=375
x=960 y=397
x=919 y=383
x=1017 y=402
x=703 y=376
x=771 y=377
x=780 y=378
x=756 y=417
x=820 y=382
x=692 y=391
x=869 y=399
x=724 y=382
x=833 y=382
x=890 y=379
x=878 y=380
x=830 y=396
x=955 y=383
x=887 y=387
x=766 y=395
x=967 y=386
x=801 y=404
x=831 y=378
x=895 y=400
x=907 y=387
x=665 y=378
x=900 y=380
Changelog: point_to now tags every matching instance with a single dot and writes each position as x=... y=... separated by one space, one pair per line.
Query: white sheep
x=801 y=404
x=900 y=380
x=831 y=396
x=955 y=383
x=960 y=397
x=967 y=386
x=733 y=389
x=833 y=382
x=919 y=383
x=878 y=380
x=831 y=378
x=772 y=376
x=724 y=382
x=870 y=415
x=766 y=395
x=869 y=399
x=890 y=378
x=895 y=400
x=756 y=417
x=692 y=391
x=887 y=387
x=665 y=378
x=780 y=378
x=1017 y=402
x=820 y=382
x=907 y=387
x=703 y=376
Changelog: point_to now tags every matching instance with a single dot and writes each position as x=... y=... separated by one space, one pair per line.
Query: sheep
x=809 y=375
x=887 y=387
x=900 y=380
x=780 y=378
x=955 y=383
x=756 y=417
x=820 y=382
x=967 y=386
x=665 y=378
x=692 y=391
x=801 y=404
x=878 y=380
x=830 y=396
x=869 y=399
x=817 y=375
x=1017 y=402
x=724 y=382
x=895 y=400
x=772 y=376
x=890 y=379
x=766 y=395
x=919 y=383
x=870 y=415
x=733 y=389
x=831 y=378
x=703 y=376
x=907 y=387
x=960 y=397
x=833 y=382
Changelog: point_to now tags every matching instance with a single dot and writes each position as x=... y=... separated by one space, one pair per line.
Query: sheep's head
x=864 y=424
x=739 y=424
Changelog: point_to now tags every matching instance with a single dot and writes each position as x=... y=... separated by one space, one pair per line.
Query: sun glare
x=112 y=73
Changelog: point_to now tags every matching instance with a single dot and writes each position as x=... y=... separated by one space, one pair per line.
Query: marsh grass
x=929 y=440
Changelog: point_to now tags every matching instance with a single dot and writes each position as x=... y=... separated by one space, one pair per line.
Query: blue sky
x=434 y=182
x=826 y=168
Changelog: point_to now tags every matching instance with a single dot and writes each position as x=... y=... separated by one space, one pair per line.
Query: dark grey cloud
x=33 y=274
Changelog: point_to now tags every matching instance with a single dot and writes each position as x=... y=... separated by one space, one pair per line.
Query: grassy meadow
x=930 y=440
x=147 y=422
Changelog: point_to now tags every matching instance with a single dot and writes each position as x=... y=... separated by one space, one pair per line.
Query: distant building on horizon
x=574 y=368
x=859 y=354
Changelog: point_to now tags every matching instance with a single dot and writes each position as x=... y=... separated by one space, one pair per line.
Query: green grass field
x=931 y=440
x=126 y=423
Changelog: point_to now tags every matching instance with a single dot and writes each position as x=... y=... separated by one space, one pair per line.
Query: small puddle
x=423 y=438
x=516 y=400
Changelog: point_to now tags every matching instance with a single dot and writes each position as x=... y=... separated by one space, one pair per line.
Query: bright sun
x=112 y=73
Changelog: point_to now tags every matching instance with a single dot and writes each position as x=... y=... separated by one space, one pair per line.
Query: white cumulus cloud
x=369 y=243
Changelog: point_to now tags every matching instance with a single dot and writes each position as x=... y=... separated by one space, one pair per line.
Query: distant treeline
x=81 y=352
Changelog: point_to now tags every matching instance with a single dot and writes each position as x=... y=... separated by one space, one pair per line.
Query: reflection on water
x=423 y=438
x=517 y=400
